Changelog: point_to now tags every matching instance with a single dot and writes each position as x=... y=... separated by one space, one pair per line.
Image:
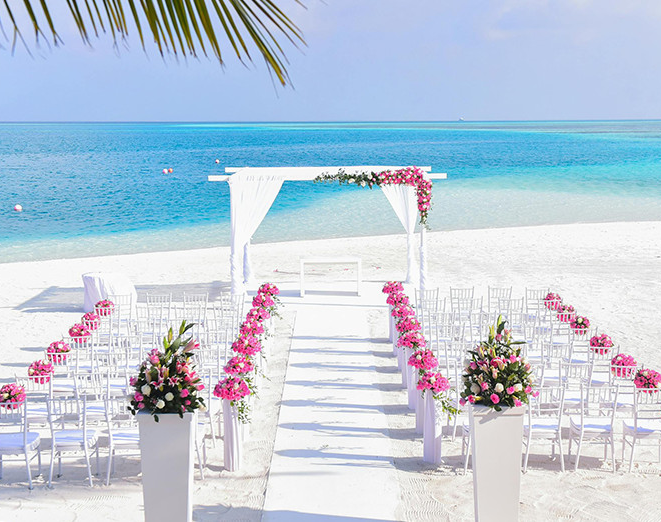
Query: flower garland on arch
x=412 y=176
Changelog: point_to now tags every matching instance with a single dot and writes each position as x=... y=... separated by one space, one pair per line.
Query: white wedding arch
x=253 y=190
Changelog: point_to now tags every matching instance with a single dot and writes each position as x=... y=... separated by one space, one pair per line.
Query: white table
x=332 y=261
x=99 y=285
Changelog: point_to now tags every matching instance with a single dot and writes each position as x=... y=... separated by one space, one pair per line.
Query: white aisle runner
x=332 y=456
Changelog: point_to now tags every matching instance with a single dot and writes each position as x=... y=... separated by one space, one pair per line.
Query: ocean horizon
x=91 y=189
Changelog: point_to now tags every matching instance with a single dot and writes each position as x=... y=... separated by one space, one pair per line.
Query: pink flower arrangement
x=263 y=301
x=412 y=176
x=397 y=298
x=623 y=365
x=104 y=307
x=11 y=395
x=91 y=320
x=423 y=360
x=167 y=381
x=57 y=352
x=408 y=324
x=579 y=324
x=413 y=340
x=496 y=374
x=247 y=345
x=269 y=289
x=646 y=378
x=231 y=389
x=601 y=344
x=565 y=313
x=251 y=328
x=40 y=371
x=552 y=301
x=78 y=331
x=238 y=365
x=402 y=310
x=392 y=286
x=433 y=381
x=258 y=314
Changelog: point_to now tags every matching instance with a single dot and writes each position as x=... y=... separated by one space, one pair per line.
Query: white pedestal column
x=419 y=410
x=232 y=437
x=496 y=445
x=411 y=379
x=432 y=436
x=167 y=458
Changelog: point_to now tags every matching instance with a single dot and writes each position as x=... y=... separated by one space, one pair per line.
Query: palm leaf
x=178 y=27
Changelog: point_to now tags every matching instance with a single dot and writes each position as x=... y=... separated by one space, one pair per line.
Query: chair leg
x=110 y=450
x=525 y=459
x=89 y=467
x=562 y=457
x=52 y=464
x=578 y=451
x=633 y=445
x=613 y=452
x=27 y=467
x=39 y=461
x=0 y=466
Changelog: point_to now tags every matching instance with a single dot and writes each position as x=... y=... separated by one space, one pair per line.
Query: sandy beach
x=609 y=272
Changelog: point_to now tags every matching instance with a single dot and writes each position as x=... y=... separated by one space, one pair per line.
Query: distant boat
x=461 y=119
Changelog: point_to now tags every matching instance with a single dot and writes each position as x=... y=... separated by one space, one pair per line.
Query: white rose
x=146 y=389
x=518 y=387
x=475 y=388
x=169 y=396
x=202 y=408
x=160 y=404
x=499 y=388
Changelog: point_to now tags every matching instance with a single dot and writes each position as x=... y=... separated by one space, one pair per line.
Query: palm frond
x=183 y=28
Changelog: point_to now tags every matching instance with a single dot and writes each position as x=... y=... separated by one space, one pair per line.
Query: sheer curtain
x=404 y=202
x=251 y=198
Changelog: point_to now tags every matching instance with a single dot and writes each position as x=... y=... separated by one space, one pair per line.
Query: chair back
x=496 y=296
x=647 y=404
x=548 y=404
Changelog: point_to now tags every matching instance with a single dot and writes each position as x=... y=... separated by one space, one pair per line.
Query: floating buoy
x=18 y=208
x=165 y=171
x=170 y=170
x=217 y=161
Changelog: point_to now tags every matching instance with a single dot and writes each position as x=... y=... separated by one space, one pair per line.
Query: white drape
x=404 y=202
x=423 y=259
x=251 y=198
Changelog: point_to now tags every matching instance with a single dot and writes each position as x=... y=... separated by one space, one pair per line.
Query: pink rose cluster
x=552 y=301
x=623 y=365
x=392 y=286
x=579 y=324
x=433 y=381
x=565 y=313
x=408 y=324
x=413 y=339
x=647 y=379
x=11 y=395
x=414 y=177
x=239 y=364
x=57 y=352
x=78 y=331
x=232 y=389
x=401 y=311
x=423 y=360
x=601 y=344
x=91 y=320
x=397 y=299
x=105 y=307
x=40 y=371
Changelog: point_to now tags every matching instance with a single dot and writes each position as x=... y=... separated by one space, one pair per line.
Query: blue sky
x=370 y=60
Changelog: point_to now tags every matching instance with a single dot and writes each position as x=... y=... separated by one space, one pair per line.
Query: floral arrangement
x=79 y=331
x=413 y=340
x=565 y=312
x=247 y=345
x=412 y=176
x=438 y=386
x=423 y=360
x=646 y=378
x=579 y=324
x=11 y=395
x=235 y=390
x=258 y=314
x=397 y=299
x=402 y=310
x=167 y=381
x=601 y=344
x=40 y=371
x=497 y=375
x=623 y=365
x=392 y=286
x=408 y=324
x=251 y=328
x=552 y=301
x=91 y=320
x=57 y=352
x=239 y=364
x=105 y=307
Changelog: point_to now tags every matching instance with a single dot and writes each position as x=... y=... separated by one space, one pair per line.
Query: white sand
x=609 y=272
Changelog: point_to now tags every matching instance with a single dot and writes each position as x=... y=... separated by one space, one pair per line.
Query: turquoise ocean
x=98 y=188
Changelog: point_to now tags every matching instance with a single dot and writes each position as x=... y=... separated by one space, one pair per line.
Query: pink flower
x=494 y=398
x=471 y=399
x=472 y=365
x=484 y=386
x=184 y=393
x=510 y=390
x=528 y=390
x=462 y=402
x=517 y=403
x=141 y=405
x=138 y=396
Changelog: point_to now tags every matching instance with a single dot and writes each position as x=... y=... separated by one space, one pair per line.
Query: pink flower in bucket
x=40 y=372
x=11 y=395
